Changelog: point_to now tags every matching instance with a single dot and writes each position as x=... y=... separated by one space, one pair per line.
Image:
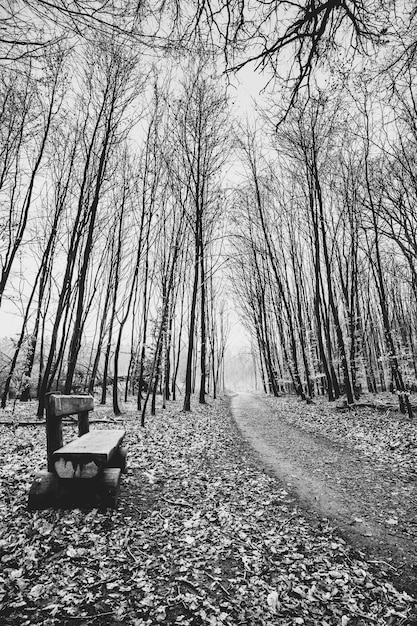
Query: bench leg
x=110 y=487
x=48 y=491
x=44 y=491
x=119 y=459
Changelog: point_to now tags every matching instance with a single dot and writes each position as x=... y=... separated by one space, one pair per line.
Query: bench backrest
x=57 y=407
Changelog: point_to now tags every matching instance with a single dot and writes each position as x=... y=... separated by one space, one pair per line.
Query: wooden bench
x=84 y=473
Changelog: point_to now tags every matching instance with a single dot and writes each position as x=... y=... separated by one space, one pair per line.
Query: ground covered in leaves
x=388 y=437
x=202 y=535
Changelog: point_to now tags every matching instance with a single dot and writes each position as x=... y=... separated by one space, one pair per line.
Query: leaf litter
x=387 y=437
x=202 y=535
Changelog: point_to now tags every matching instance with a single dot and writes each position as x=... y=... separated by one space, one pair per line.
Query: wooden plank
x=86 y=456
x=48 y=491
x=68 y=405
x=98 y=443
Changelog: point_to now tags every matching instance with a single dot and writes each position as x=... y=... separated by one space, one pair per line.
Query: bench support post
x=53 y=432
x=83 y=423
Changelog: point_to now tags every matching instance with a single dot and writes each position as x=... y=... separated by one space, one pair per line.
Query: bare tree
x=200 y=133
x=20 y=200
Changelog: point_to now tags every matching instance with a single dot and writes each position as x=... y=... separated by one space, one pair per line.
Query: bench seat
x=86 y=456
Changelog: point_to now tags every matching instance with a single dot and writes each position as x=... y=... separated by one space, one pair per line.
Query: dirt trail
x=338 y=483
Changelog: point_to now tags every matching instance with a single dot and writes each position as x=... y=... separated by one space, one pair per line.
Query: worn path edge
x=314 y=468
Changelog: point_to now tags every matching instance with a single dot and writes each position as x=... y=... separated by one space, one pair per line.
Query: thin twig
x=103 y=582
x=131 y=554
x=9 y=423
x=89 y=617
x=286 y=522
x=218 y=583
x=184 y=581
x=368 y=617
x=177 y=503
x=376 y=562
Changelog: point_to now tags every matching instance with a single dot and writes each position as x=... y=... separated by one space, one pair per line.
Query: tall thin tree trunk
x=191 y=329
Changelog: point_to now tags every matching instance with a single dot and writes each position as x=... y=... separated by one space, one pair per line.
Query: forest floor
x=358 y=468
x=202 y=535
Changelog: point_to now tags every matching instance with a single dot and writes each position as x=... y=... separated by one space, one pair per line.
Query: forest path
x=374 y=509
